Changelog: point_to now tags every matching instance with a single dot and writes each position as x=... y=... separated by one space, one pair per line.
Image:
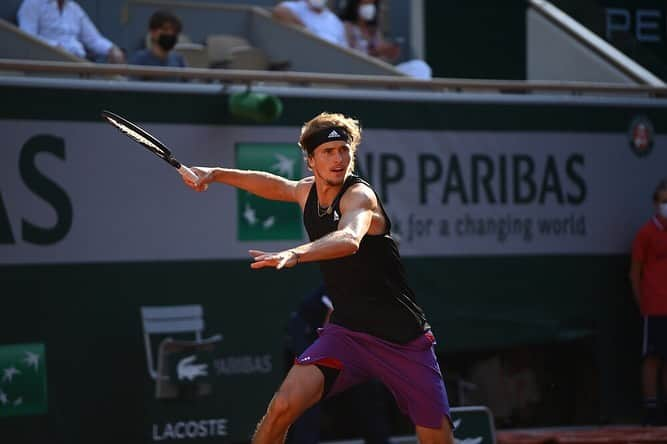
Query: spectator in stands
x=648 y=275
x=163 y=30
x=63 y=23
x=361 y=19
x=315 y=16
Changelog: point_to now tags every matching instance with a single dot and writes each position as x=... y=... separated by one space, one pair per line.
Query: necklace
x=321 y=211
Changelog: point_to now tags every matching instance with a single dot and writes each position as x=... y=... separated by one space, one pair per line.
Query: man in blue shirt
x=163 y=29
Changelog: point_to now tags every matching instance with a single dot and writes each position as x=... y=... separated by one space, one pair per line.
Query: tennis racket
x=145 y=138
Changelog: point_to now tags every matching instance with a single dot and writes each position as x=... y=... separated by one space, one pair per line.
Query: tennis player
x=377 y=330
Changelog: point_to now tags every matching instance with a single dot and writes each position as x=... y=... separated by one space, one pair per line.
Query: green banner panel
x=23 y=380
x=261 y=219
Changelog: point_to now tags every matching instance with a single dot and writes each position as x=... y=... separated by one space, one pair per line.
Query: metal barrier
x=249 y=77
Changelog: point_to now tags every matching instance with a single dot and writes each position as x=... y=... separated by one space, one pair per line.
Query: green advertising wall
x=88 y=317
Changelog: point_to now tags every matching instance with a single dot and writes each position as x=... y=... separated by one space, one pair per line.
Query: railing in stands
x=248 y=77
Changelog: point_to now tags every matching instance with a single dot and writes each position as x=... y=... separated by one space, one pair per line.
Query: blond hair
x=326 y=120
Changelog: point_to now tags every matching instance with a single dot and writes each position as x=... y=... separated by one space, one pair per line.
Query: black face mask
x=167 y=41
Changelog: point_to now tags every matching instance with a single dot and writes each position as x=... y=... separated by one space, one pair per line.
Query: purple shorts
x=410 y=371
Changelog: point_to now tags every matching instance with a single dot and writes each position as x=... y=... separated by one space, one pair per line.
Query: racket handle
x=187 y=172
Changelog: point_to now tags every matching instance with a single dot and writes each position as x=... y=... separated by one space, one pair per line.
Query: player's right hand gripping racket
x=145 y=138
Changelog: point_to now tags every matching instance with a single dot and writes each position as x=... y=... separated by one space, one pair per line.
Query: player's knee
x=279 y=407
x=436 y=439
x=436 y=436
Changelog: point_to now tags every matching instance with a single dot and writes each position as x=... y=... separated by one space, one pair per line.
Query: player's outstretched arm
x=357 y=206
x=263 y=184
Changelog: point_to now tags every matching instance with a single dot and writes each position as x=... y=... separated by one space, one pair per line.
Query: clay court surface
x=580 y=435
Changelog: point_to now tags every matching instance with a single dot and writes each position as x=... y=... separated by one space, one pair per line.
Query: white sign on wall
x=81 y=192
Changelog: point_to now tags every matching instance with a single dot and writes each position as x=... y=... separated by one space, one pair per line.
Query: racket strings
x=138 y=137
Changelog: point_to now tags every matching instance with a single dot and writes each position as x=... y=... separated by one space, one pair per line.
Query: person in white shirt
x=315 y=16
x=65 y=24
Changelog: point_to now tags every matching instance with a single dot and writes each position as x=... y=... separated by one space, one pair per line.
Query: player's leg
x=302 y=387
x=650 y=367
x=662 y=368
x=663 y=418
x=443 y=435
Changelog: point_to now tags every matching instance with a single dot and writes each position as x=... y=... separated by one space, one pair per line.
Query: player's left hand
x=281 y=259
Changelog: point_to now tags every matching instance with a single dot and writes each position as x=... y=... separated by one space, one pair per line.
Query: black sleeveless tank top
x=368 y=289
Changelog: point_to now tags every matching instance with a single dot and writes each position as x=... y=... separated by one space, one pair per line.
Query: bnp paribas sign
x=260 y=219
x=22 y=380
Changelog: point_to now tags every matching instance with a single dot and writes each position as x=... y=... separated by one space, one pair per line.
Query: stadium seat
x=222 y=48
x=195 y=54
x=235 y=52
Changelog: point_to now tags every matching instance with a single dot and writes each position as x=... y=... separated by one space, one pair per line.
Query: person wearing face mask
x=313 y=15
x=163 y=31
x=360 y=18
x=648 y=275
x=363 y=33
